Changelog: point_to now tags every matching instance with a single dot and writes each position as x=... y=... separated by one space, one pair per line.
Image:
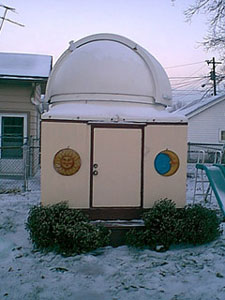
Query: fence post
x=188 y=151
x=30 y=157
x=25 y=175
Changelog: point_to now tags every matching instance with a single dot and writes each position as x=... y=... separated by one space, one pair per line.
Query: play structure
x=216 y=183
x=109 y=146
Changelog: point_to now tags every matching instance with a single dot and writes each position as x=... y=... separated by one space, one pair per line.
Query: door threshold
x=114 y=213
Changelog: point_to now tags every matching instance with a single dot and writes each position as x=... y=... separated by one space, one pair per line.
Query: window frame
x=221 y=131
x=25 y=127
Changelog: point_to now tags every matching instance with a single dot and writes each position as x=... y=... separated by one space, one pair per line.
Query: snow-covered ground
x=195 y=273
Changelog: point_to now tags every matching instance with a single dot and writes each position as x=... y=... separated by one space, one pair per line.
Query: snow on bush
x=166 y=225
x=63 y=230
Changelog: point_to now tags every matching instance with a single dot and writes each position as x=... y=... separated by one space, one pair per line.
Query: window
x=13 y=134
x=222 y=136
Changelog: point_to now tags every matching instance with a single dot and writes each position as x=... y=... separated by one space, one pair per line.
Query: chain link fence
x=206 y=153
x=20 y=167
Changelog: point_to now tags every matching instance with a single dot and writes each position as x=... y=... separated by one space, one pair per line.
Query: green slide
x=216 y=177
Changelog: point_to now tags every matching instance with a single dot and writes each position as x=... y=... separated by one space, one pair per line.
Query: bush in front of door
x=63 y=230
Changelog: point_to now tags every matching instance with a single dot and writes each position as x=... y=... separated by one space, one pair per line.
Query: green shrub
x=64 y=230
x=160 y=223
x=166 y=225
x=200 y=225
x=136 y=238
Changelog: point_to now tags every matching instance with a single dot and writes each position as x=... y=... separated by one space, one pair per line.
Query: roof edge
x=205 y=106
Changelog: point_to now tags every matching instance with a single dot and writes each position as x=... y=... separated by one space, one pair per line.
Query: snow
x=198 y=104
x=25 y=65
x=181 y=273
x=106 y=110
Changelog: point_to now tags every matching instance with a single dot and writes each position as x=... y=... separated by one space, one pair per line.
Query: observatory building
x=108 y=144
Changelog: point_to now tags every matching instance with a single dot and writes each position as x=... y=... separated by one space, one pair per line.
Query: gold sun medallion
x=67 y=162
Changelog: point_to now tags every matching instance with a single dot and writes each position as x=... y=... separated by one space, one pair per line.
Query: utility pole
x=213 y=72
x=7 y=8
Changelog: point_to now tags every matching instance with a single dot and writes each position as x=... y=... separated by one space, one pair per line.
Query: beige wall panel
x=156 y=186
x=118 y=155
x=56 y=187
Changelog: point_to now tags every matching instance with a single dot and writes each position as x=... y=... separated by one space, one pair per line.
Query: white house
x=23 y=78
x=206 y=120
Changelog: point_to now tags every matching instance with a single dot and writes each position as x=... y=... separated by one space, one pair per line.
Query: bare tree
x=215 y=14
x=214 y=39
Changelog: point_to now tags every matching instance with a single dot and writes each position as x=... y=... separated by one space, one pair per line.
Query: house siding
x=15 y=98
x=204 y=127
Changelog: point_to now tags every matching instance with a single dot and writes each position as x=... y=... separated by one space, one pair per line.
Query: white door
x=117 y=170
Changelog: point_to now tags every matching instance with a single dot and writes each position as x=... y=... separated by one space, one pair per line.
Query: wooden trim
x=114 y=213
x=135 y=125
x=167 y=123
x=117 y=126
x=62 y=121
x=142 y=164
x=91 y=166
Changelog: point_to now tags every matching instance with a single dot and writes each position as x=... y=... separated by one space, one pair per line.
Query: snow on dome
x=106 y=70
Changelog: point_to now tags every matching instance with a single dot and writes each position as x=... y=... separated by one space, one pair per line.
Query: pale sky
x=157 y=25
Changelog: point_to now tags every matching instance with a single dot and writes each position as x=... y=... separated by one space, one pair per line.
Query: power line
x=186 y=77
x=213 y=72
x=179 y=66
x=189 y=85
x=183 y=90
x=185 y=85
x=188 y=81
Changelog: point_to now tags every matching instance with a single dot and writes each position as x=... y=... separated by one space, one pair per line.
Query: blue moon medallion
x=166 y=163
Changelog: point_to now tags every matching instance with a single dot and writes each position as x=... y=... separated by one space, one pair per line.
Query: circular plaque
x=166 y=163
x=67 y=162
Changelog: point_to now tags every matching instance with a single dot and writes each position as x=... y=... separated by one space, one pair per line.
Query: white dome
x=107 y=67
x=108 y=78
